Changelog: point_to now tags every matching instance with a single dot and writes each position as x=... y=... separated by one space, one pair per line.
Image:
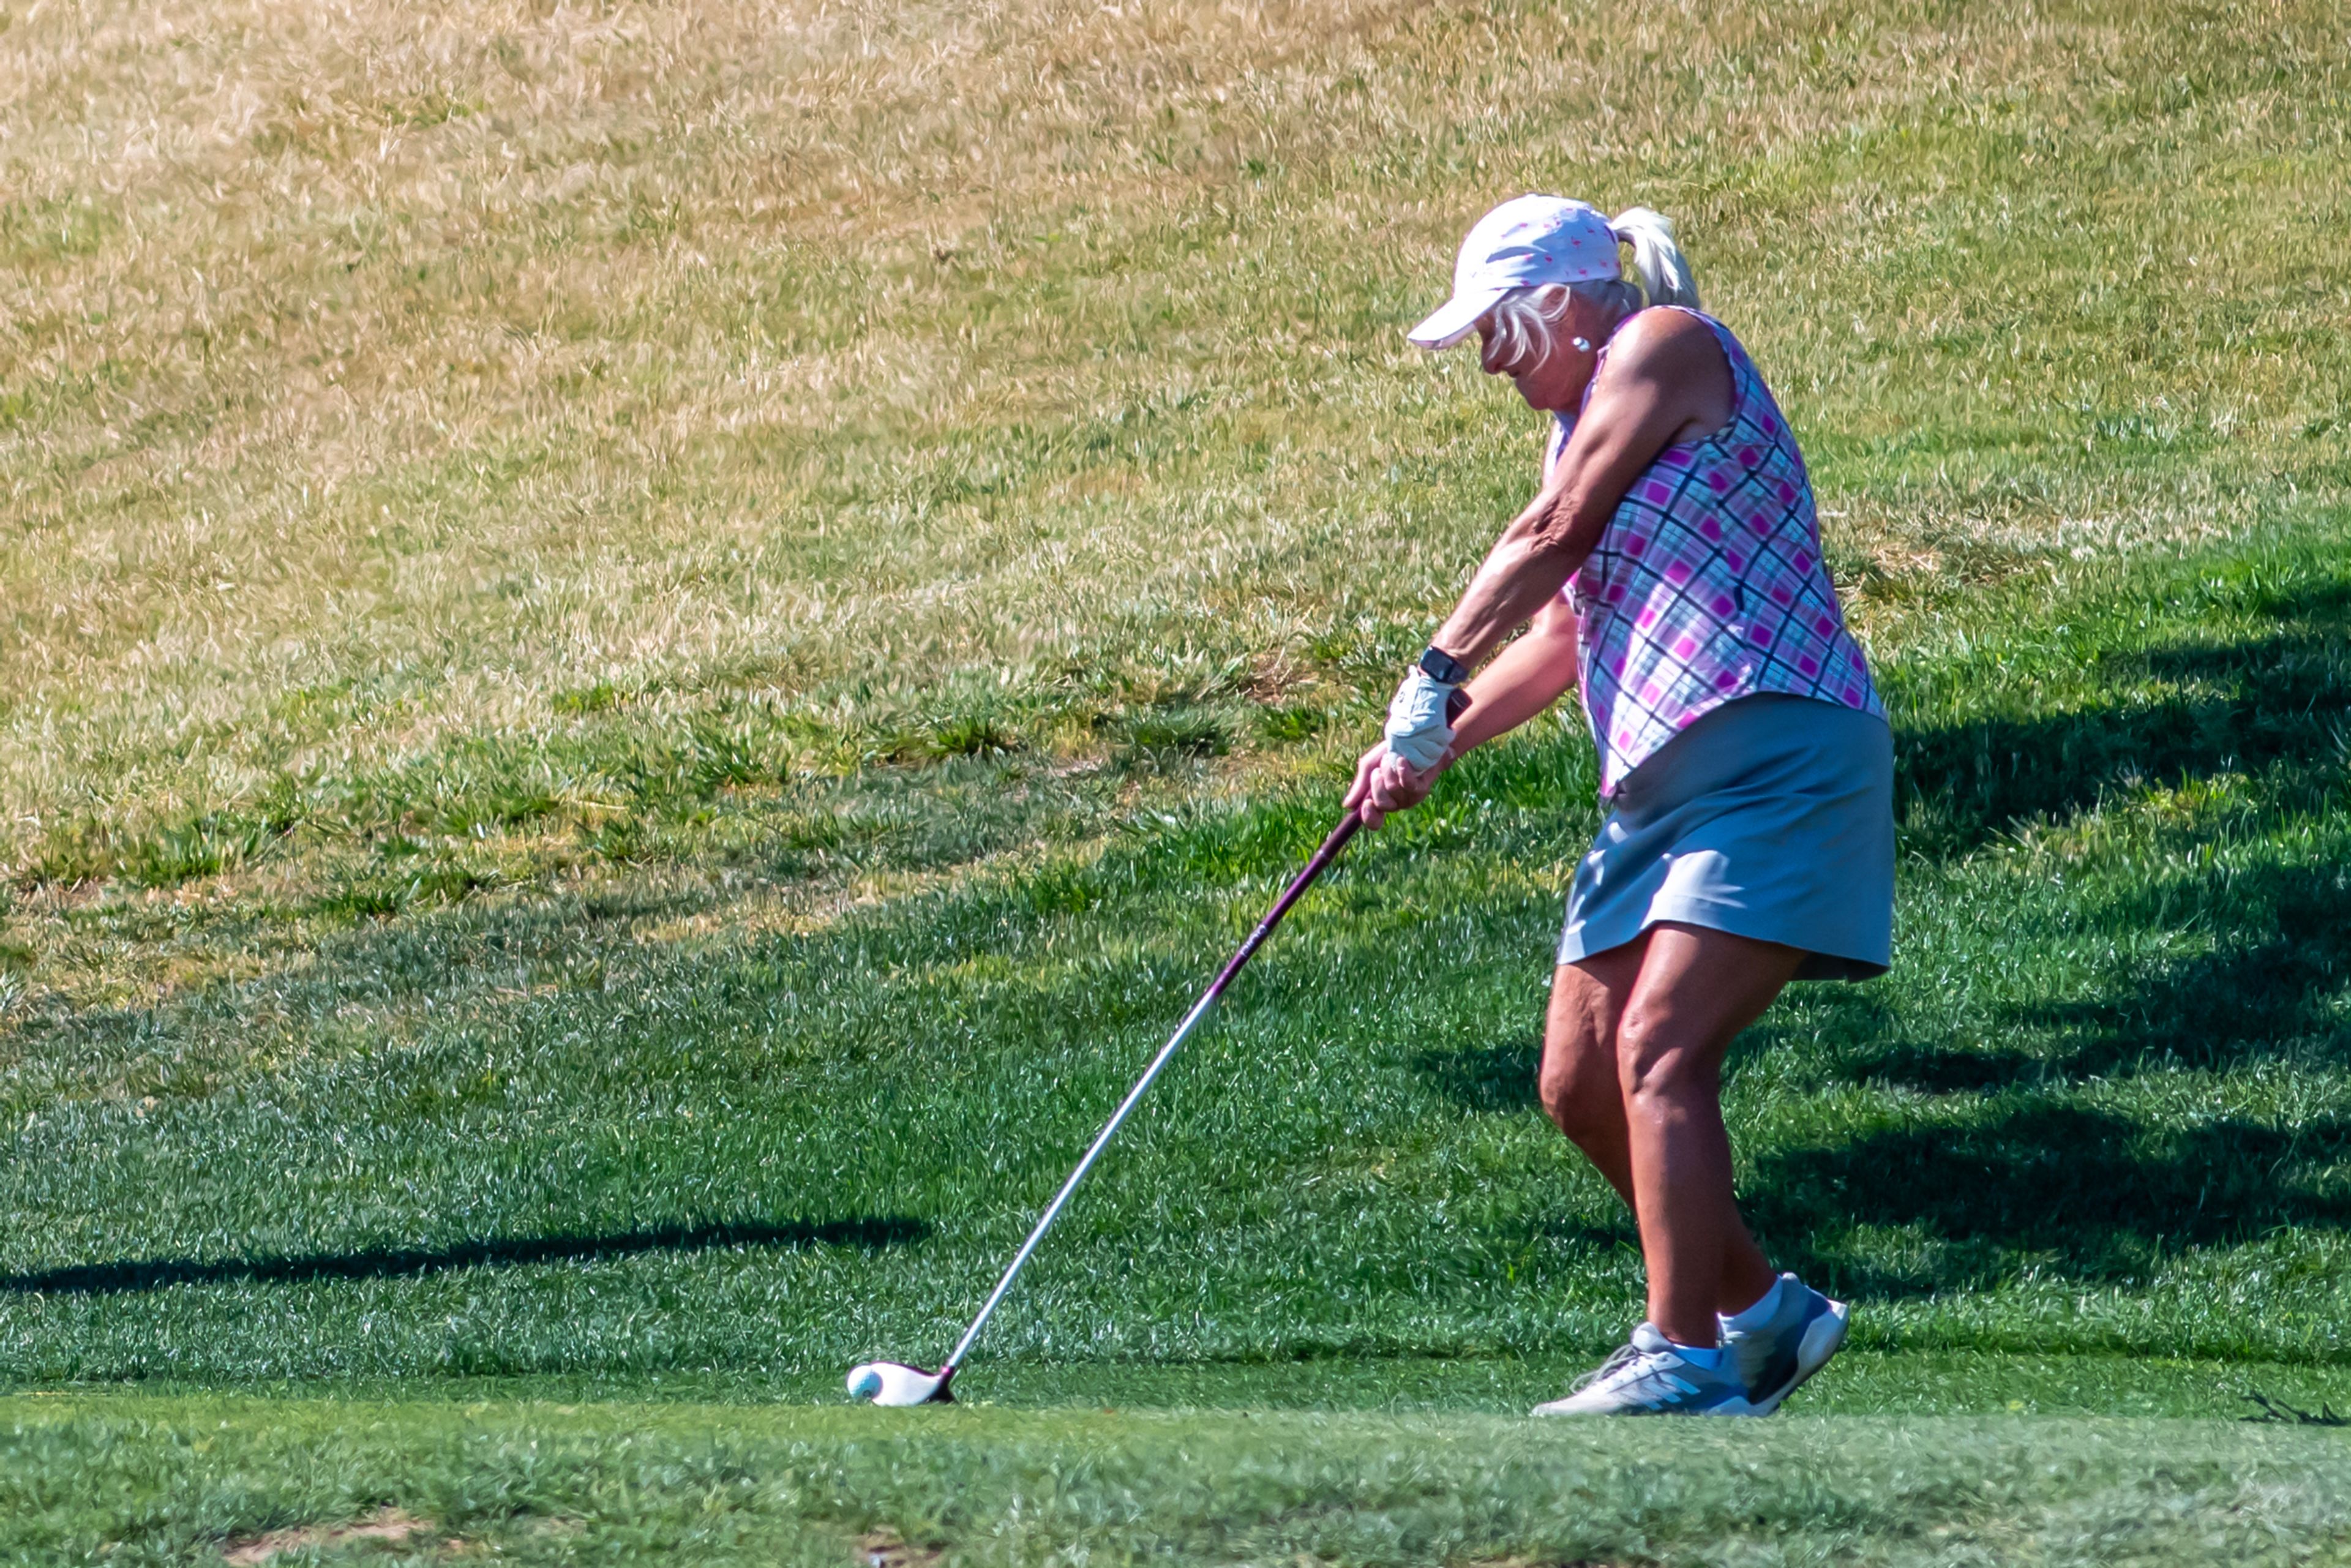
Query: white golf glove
x=1417 y=733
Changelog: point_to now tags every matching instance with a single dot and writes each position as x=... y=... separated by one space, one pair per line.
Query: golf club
x=897 y=1383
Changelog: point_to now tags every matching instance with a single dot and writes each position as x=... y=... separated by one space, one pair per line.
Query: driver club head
x=895 y=1383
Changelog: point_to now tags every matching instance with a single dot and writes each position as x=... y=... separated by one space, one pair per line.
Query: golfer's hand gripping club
x=1399 y=771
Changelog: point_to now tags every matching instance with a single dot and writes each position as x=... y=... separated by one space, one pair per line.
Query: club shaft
x=1200 y=1010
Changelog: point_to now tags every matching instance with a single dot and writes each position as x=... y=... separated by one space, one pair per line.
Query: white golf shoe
x=1650 y=1377
x=1774 y=1357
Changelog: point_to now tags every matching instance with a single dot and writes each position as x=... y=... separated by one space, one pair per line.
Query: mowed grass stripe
x=159 y=1480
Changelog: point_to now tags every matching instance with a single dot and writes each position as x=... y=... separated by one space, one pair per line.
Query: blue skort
x=1769 y=817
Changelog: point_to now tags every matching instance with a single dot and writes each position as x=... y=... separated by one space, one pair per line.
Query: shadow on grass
x=2243 y=707
x=2034 y=1179
x=2011 y=1173
x=2078 y=1192
x=2274 y=988
x=107 y=1279
x=1486 y=1078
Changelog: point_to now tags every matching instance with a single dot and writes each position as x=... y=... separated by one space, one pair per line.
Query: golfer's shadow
x=2245 y=706
x=2058 y=1189
x=377 y=1263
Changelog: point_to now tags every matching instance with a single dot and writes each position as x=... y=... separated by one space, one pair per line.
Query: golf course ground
x=646 y=649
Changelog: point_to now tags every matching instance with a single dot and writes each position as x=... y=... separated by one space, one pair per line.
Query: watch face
x=1440 y=665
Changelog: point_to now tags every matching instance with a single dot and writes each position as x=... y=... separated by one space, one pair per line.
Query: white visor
x=1526 y=242
x=1456 y=319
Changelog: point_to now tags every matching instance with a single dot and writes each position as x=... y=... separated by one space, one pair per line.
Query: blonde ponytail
x=1664 y=274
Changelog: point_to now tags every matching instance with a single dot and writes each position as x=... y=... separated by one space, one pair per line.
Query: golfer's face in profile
x=1551 y=376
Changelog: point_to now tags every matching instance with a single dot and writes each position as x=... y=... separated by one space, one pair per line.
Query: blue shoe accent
x=1775 y=1359
x=1650 y=1377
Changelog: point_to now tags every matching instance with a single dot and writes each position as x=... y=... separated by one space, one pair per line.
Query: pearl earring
x=1583 y=345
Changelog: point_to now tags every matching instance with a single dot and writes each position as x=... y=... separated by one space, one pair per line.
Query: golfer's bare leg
x=1695 y=991
x=1578 y=1081
x=1583 y=1092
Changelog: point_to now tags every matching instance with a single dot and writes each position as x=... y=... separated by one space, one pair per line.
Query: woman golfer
x=1670 y=565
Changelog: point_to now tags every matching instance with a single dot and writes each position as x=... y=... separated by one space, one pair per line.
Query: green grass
x=142 y=1480
x=2082 y=1154
x=2099 y=1107
x=645 y=651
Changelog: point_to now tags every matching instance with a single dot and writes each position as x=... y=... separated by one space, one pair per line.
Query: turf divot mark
x=387 y=1524
x=886 y=1549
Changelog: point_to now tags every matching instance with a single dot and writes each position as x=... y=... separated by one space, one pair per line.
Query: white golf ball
x=865 y=1382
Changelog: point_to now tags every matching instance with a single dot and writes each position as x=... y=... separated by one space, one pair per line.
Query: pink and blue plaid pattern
x=1707 y=586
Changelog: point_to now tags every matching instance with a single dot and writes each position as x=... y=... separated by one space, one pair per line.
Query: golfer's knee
x=1656 y=1060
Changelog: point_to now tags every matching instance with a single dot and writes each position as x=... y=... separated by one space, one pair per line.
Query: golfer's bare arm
x=1524 y=679
x=1665 y=380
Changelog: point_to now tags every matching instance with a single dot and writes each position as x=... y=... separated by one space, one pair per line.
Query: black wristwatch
x=1440 y=665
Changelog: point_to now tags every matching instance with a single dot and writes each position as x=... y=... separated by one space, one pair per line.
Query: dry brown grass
x=375 y=377
x=388 y=1525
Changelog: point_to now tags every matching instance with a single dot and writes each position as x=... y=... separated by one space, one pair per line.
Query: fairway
x=540 y=1483
x=645 y=651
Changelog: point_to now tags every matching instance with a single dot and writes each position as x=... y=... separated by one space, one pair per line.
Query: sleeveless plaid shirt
x=1707 y=586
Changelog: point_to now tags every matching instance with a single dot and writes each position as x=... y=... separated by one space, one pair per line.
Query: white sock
x=1756 y=1316
x=1706 y=1358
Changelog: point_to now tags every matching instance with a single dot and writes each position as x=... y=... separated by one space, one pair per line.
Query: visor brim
x=1454 y=320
